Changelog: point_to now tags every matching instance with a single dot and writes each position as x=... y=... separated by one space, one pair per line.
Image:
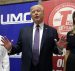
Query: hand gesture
x=62 y=42
x=6 y=43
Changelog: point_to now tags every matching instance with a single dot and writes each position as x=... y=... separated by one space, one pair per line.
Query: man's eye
x=32 y=11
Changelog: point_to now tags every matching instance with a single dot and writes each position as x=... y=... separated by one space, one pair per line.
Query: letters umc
x=13 y=19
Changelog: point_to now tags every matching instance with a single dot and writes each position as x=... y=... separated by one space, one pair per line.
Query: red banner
x=58 y=14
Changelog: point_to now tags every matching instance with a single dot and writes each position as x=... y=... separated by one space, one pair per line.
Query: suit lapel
x=30 y=34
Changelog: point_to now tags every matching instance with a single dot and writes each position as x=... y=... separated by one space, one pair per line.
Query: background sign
x=58 y=14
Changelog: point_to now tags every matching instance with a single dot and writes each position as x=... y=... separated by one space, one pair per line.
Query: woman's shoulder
x=69 y=32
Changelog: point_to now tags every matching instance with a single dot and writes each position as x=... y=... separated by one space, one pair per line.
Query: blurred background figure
x=70 y=53
x=4 y=58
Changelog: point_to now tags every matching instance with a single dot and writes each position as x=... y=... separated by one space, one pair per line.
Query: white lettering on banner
x=60 y=63
x=13 y=19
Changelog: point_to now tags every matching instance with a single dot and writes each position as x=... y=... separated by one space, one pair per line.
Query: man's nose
x=36 y=12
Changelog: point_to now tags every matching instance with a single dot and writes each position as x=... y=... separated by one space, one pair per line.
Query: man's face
x=37 y=14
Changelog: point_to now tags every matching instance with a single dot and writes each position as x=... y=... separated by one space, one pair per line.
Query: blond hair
x=39 y=5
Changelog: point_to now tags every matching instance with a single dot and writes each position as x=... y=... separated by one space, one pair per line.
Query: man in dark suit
x=36 y=52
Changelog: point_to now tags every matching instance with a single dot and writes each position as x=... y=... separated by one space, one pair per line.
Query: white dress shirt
x=41 y=25
x=4 y=58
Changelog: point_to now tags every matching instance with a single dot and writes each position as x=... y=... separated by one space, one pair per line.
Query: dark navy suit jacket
x=48 y=47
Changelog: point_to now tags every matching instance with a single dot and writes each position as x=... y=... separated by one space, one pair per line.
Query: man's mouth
x=36 y=16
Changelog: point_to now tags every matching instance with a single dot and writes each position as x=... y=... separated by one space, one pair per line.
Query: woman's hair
x=73 y=16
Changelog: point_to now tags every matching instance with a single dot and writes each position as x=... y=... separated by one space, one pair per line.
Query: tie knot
x=37 y=26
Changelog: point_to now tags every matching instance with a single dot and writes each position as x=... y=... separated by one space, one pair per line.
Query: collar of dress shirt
x=41 y=25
